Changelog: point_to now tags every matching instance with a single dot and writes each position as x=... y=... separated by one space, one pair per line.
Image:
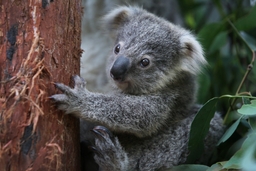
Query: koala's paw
x=108 y=151
x=71 y=98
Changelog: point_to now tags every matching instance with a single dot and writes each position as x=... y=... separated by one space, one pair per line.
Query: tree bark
x=39 y=45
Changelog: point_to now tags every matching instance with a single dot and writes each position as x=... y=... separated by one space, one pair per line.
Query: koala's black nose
x=119 y=68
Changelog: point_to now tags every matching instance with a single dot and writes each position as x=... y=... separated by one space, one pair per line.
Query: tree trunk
x=39 y=45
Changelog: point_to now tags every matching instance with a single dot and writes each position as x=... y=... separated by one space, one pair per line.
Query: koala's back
x=169 y=146
x=165 y=149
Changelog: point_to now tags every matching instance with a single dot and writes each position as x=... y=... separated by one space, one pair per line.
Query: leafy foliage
x=196 y=141
x=227 y=31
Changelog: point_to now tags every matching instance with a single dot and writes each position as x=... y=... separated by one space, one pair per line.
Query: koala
x=93 y=65
x=144 y=122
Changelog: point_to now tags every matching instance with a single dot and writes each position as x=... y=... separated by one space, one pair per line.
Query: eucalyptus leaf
x=219 y=41
x=199 y=129
x=205 y=80
x=209 y=32
x=248 y=109
x=247 y=22
x=189 y=167
x=248 y=161
x=215 y=167
x=252 y=123
x=230 y=131
x=249 y=40
x=236 y=161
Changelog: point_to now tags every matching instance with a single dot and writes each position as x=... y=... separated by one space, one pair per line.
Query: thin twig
x=249 y=68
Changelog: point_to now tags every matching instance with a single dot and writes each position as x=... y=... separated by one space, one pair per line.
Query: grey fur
x=151 y=107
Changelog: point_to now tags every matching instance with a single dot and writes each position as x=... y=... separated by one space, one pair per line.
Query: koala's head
x=150 y=52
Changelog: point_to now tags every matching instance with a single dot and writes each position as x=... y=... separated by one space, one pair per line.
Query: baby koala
x=145 y=121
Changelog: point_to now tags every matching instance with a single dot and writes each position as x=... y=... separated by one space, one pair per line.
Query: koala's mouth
x=120 y=80
x=121 y=83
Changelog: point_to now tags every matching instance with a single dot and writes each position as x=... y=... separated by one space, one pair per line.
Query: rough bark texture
x=39 y=45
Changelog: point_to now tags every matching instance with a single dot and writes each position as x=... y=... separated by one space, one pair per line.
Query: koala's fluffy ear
x=117 y=17
x=192 y=52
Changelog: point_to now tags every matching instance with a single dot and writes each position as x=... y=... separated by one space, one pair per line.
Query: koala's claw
x=71 y=97
x=65 y=89
x=108 y=150
x=79 y=82
x=58 y=97
x=62 y=98
x=103 y=132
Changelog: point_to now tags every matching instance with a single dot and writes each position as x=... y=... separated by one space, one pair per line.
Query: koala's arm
x=139 y=115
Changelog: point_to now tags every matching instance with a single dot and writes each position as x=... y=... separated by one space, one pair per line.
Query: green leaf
x=240 y=36
x=205 y=80
x=219 y=41
x=215 y=167
x=236 y=161
x=249 y=40
x=209 y=32
x=252 y=123
x=188 y=167
x=230 y=131
x=248 y=161
x=247 y=22
x=199 y=129
x=248 y=109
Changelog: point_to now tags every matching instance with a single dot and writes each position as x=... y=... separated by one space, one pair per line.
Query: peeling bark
x=39 y=45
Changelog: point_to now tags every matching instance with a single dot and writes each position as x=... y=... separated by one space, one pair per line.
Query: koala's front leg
x=140 y=115
x=109 y=154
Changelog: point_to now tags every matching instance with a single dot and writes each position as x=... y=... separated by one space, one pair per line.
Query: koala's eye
x=117 y=49
x=144 y=62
